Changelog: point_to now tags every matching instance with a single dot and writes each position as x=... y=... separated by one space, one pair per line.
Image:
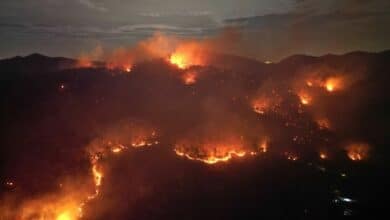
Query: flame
x=263 y=146
x=212 y=159
x=189 y=78
x=305 y=98
x=179 y=60
x=358 y=151
x=127 y=68
x=323 y=155
x=333 y=83
x=187 y=54
x=213 y=150
x=84 y=61
x=309 y=83
x=97 y=175
x=65 y=216
x=264 y=104
x=291 y=156
x=323 y=123
x=261 y=105
x=59 y=207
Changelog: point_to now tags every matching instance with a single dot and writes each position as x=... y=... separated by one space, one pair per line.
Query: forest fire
x=212 y=158
x=179 y=60
x=189 y=78
x=264 y=104
x=333 y=84
x=358 y=151
x=261 y=105
x=291 y=156
x=323 y=123
x=196 y=111
x=187 y=55
x=212 y=152
x=305 y=98
x=323 y=155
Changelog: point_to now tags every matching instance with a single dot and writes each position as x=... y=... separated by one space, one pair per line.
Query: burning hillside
x=182 y=105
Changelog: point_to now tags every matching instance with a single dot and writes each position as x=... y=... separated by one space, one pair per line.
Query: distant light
x=61 y=86
x=345 y=199
x=268 y=62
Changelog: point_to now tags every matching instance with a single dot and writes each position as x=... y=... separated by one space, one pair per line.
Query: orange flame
x=264 y=104
x=187 y=54
x=212 y=159
x=358 y=151
x=323 y=155
x=189 y=78
x=291 y=156
x=323 y=123
x=333 y=84
x=305 y=98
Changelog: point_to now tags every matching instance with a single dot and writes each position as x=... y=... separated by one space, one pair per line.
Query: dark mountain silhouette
x=35 y=63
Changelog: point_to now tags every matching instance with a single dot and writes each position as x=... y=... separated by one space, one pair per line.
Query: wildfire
x=358 y=151
x=65 y=216
x=189 y=78
x=264 y=104
x=127 y=68
x=305 y=98
x=212 y=159
x=64 y=206
x=291 y=156
x=98 y=175
x=179 y=60
x=323 y=155
x=323 y=123
x=333 y=83
x=260 y=106
x=84 y=62
x=186 y=55
x=263 y=146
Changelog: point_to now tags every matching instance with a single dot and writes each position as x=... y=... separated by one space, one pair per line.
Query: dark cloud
x=270 y=29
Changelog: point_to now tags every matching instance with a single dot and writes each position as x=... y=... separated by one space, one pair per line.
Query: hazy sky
x=270 y=29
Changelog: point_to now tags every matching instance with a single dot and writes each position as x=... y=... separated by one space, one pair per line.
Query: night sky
x=268 y=29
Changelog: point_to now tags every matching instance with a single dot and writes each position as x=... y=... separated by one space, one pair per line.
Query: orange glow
x=264 y=104
x=58 y=207
x=84 y=61
x=263 y=146
x=179 y=60
x=305 y=98
x=189 y=78
x=117 y=149
x=212 y=151
x=261 y=105
x=127 y=68
x=186 y=55
x=212 y=159
x=98 y=175
x=358 y=151
x=323 y=155
x=333 y=84
x=323 y=123
x=291 y=156
x=64 y=216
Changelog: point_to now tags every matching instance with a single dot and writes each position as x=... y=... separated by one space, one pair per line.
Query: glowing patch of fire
x=212 y=159
x=358 y=151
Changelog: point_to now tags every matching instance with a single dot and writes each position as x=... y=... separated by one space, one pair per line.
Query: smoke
x=182 y=103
